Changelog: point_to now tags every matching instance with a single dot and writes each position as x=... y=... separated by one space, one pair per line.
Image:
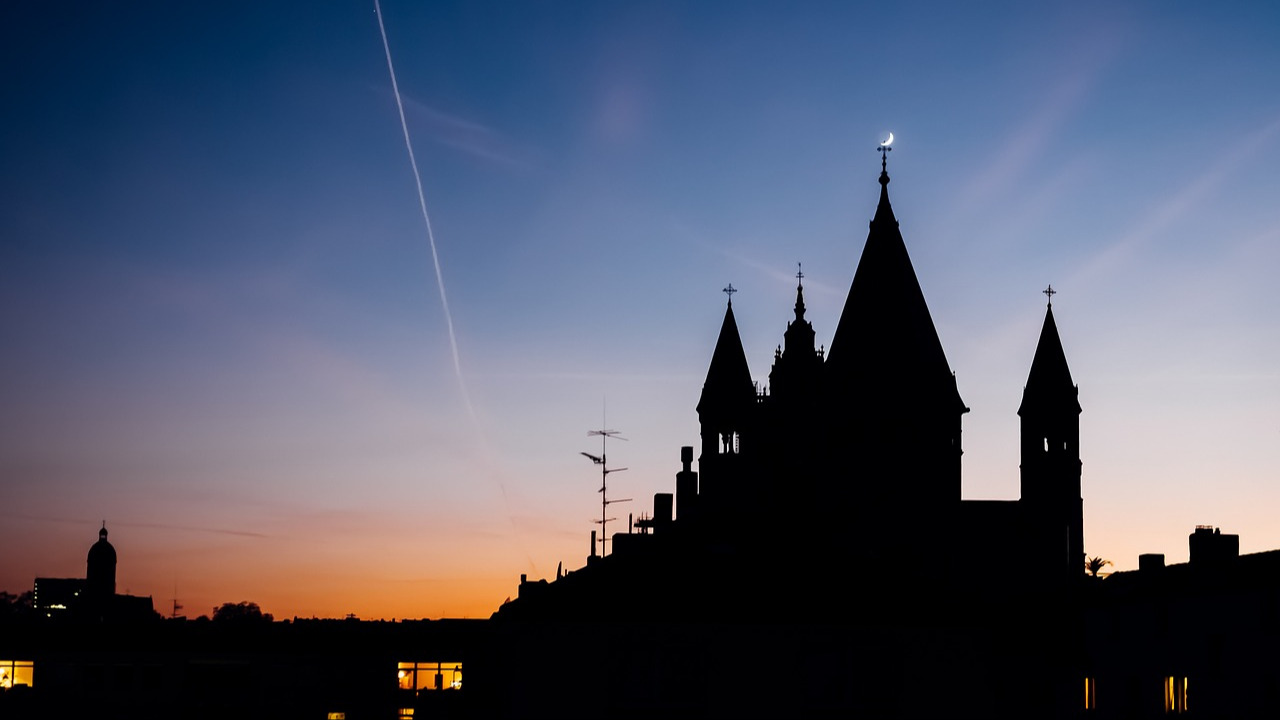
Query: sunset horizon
x=225 y=327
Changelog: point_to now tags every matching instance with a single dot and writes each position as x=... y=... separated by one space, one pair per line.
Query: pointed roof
x=728 y=387
x=800 y=294
x=1049 y=385
x=886 y=337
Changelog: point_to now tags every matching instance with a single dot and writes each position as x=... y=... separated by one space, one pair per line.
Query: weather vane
x=884 y=152
x=1050 y=292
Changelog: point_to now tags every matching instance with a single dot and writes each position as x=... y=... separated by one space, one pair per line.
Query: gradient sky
x=222 y=331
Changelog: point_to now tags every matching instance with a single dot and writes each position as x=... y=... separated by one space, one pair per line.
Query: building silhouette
x=825 y=526
x=92 y=598
x=820 y=561
x=852 y=458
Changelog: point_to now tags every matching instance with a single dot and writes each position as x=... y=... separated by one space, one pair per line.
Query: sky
x=221 y=329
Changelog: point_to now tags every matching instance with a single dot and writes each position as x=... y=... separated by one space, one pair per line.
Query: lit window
x=429 y=675
x=337 y=716
x=15 y=672
x=406 y=713
x=1090 y=694
x=1175 y=694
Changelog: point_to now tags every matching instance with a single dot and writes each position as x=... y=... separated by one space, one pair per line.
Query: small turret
x=728 y=395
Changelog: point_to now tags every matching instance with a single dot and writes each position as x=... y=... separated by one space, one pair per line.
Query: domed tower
x=100 y=580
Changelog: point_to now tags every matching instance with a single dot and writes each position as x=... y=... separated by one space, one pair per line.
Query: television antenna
x=605 y=502
x=176 y=605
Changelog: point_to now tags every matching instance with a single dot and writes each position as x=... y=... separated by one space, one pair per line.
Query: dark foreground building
x=820 y=562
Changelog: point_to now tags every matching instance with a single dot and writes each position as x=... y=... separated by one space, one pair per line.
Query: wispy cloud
x=1191 y=197
x=1019 y=149
x=469 y=136
x=151 y=526
x=777 y=274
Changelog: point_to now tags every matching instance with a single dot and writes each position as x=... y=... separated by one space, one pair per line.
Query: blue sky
x=222 y=329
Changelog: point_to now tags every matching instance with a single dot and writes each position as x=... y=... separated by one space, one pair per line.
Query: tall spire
x=885 y=338
x=728 y=388
x=799 y=292
x=1049 y=386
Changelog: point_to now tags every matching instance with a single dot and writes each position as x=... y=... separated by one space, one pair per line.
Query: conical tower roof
x=728 y=388
x=886 y=338
x=1049 y=386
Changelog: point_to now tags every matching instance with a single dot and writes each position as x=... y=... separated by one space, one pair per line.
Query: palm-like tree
x=1094 y=565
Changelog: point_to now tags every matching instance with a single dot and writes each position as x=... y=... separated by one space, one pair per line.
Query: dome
x=101 y=575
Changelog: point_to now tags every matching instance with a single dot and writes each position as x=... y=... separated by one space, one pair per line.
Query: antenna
x=605 y=502
x=176 y=605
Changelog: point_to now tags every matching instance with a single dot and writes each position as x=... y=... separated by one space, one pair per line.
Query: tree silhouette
x=240 y=612
x=16 y=607
x=1094 y=565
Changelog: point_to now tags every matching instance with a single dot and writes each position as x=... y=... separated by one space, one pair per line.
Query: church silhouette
x=824 y=537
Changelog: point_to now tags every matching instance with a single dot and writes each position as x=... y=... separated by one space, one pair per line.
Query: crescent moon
x=888 y=142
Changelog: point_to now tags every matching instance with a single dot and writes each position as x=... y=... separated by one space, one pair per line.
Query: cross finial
x=799 y=274
x=884 y=154
x=1050 y=292
x=730 y=290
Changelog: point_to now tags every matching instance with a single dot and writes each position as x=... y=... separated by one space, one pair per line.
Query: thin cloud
x=1189 y=198
x=149 y=526
x=777 y=274
x=470 y=137
x=1019 y=149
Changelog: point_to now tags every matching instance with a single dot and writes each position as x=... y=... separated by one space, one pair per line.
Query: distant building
x=55 y=596
x=94 y=597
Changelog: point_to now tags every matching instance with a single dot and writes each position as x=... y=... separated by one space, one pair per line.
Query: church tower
x=100 y=575
x=894 y=411
x=726 y=412
x=1050 y=470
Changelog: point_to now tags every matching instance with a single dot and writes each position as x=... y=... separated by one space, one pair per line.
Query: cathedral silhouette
x=825 y=527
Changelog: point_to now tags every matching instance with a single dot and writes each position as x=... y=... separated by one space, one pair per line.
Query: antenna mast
x=605 y=502
x=176 y=605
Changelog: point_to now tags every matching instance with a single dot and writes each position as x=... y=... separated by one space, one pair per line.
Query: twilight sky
x=221 y=329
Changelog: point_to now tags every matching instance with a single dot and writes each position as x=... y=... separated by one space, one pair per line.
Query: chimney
x=686 y=486
x=1210 y=548
x=1150 y=562
x=662 y=509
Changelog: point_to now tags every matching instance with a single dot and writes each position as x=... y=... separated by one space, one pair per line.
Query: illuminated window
x=429 y=676
x=1175 y=694
x=406 y=713
x=337 y=716
x=15 y=672
x=1090 y=694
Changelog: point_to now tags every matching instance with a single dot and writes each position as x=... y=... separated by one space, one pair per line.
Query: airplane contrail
x=435 y=259
x=426 y=217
